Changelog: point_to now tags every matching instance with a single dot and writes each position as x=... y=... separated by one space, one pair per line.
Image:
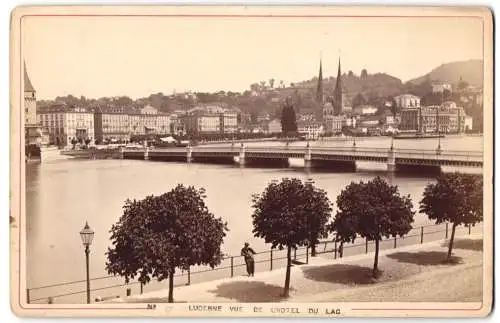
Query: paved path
x=413 y=273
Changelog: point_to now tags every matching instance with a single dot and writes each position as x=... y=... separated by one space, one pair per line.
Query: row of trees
x=158 y=234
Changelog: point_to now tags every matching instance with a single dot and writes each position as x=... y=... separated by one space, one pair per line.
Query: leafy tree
x=394 y=107
x=364 y=73
x=160 y=233
x=462 y=85
x=288 y=118
x=271 y=83
x=358 y=100
x=344 y=228
x=372 y=210
x=455 y=198
x=87 y=141
x=290 y=214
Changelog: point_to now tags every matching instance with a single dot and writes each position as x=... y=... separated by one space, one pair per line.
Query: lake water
x=62 y=195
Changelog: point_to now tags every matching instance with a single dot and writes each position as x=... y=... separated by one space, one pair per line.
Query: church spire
x=338 y=107
x=319 y=89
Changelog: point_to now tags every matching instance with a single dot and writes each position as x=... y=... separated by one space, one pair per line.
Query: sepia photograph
x=276 y=161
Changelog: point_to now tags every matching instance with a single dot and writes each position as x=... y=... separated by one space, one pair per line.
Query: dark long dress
x=248 y=253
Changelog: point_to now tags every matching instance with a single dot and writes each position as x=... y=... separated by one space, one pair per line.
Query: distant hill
x=470 y=71
x=369 y=85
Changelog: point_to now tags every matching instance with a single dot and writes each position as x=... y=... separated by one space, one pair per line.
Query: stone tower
x=29 y=100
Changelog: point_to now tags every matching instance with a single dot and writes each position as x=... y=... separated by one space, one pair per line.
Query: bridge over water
x=344 y=158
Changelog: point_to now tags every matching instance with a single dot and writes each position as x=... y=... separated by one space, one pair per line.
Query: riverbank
x=414 y=273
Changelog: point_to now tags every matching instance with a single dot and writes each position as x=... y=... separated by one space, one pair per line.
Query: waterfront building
x=410 y=119
x=312 y=130
x=65 y=123
x=468 y=123
x=334 y=124
x=407 y=101
x=350 y=121
x=210 y=119
x=101 y=124
x=274 y=126
x=447 y=118
x=176 y=125
x=112 y=125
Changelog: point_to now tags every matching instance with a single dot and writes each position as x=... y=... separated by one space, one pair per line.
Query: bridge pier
x=241 y=159
x=308 y=157
x=146 y=153
x=189 y=154
x=122 y=152
x=391 y=160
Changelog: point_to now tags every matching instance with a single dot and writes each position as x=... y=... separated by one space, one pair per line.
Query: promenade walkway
x=411 y=273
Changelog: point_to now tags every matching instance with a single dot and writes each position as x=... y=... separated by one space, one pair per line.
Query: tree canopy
x=160 y=233
x=288 y=118
x=289 y=214
x=372 y=210
x=456 y=198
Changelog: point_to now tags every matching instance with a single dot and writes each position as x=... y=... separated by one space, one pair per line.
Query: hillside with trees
x=267 y=97
x=470 y=71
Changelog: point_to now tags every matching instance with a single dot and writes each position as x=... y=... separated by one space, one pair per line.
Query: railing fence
x=232 y=266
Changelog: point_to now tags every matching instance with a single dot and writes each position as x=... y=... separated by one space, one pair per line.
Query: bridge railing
x=443 y=155
x=276 y=149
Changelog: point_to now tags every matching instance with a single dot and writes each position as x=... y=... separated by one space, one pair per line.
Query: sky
x=137 y=56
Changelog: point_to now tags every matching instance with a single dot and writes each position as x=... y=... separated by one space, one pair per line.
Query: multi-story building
x=312 y=130
x=439 y=87
x=365 y=110
x=274 y=126
x=229 y=121
x=407 y=101
x=149 y=121
x=447 y=118
x=67 y=123
x=111 y=125
x=99 y=124
x=210 y=120
x=334 y=124
x=176 y=125
x=410 y=119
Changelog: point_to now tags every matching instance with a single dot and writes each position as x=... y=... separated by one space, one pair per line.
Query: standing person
x=248 y=253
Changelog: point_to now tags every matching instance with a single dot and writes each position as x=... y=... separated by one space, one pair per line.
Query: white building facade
x=407 y=101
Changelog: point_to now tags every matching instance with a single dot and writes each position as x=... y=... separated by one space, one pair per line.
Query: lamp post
x=87 y=234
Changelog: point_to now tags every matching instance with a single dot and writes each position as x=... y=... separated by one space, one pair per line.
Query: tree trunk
x=341 y=249
x=288 y=267
x=313 y=250
x=450 y=245
x=375 y=263
x=171 y=285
